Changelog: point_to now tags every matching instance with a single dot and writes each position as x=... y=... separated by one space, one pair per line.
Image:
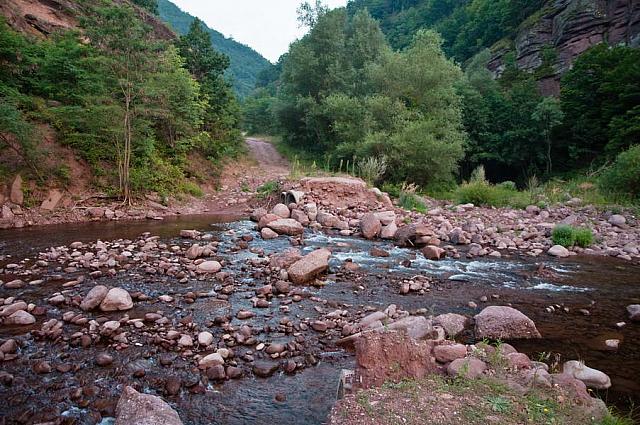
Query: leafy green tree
x=201 y=59
x=18 y=135
x=598 y=95
x=129 y=47
x=548 y=115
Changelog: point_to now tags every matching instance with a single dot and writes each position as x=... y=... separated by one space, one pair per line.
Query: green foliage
x=484 y=193
x=569 y=236
x=623 y=177
x=345 y=94
x=150 y=6
x=409 y=200
x=245 y=63
x=499 y=404
x=600 y=97
x=268 y=188
x=563 y=235
x=122 y=87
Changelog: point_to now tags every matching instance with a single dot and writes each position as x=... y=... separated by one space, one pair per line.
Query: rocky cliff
x=550 y=40
x=44 y=17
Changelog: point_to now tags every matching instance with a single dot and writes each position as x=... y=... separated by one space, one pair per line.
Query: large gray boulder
x=502 y=322
x=135 y=408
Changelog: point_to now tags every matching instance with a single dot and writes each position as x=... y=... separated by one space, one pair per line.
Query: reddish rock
x=16 y=196
x=134 y=408
x=432 y=252
x=94 y=297
x=518 y=361
x=469 y=367
x=391 y=356
x=281 y=210
x=449 y=352
x=502 y=322
x=286 y=226
x=117 y=299
x=452 y=323
x=285 y=258
x=266 y=219
x=370 y=226
x=309 y=266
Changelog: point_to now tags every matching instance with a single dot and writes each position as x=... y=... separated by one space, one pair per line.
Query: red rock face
x=391 y=356
x=571 y=27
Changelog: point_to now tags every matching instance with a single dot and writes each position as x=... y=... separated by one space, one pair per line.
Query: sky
x=267 y=26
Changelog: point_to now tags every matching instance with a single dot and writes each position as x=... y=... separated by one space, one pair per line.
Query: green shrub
x=192 y=189
x=409 y=200
x=563 y=235
x=623 y=177
x=583 y=237
x=483 y=193
x=392 y=189
x=569 y=236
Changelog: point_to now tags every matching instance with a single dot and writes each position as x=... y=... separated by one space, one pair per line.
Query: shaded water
x=601 y=285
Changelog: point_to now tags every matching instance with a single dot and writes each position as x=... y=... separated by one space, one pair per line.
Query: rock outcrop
x=569 y=27
x=501 y=322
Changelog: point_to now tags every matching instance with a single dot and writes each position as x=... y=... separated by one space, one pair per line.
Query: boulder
x=257 y=214
x=449 y=352
x=502 y=322
x=135 y=408
x=209 y=267
x=210 y=360
x=94 y=297
x=452 y=323
x=266 y=219
x=117 y=299
x=21 y=318
x=617 y=220
x=432 y=252
x=268 y=234
x=558 y=251
x=285 y=258
x=469 y=367
x=389 y=231
x=370 y=226
x=309 y=266
x=286 y=226
x=328 y=220
x=391 y=356
x=301 y=217
x=281 y=210
x=592 y=378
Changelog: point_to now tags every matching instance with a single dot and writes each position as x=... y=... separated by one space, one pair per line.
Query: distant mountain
x=246 y=63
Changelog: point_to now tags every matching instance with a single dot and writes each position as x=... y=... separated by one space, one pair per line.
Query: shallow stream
x=602 y=286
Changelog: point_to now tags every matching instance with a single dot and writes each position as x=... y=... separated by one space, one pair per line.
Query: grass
x=423 y=401
x=569 y=236
x=267 y=189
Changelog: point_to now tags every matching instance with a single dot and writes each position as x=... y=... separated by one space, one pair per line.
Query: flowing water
x=600 y=285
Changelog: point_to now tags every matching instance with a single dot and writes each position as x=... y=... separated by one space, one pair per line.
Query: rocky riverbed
x=230 y=326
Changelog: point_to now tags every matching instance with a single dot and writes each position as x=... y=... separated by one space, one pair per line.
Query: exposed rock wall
x=43 y=17
x=570 y=27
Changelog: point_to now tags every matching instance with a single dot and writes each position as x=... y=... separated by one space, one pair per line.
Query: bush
x=372 y=169
x=509 y=185
x=483 y=193
x=563 y=235
x=584 y=237
x=409 y=200
x=623 y=177
x=569 y=236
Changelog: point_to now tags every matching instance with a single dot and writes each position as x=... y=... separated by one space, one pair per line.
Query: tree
x=150 y=6
x=200 y=57
x=548 y=115
x=129 y=49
